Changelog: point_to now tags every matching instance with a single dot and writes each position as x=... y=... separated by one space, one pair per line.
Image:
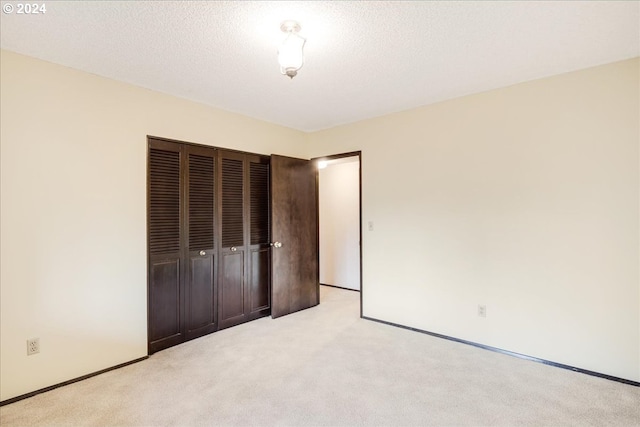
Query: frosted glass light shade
x=290 y=55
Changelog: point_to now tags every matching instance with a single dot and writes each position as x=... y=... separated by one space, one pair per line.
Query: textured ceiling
x=362 y=59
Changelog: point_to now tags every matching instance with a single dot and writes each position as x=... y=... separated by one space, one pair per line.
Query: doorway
x=339 y=215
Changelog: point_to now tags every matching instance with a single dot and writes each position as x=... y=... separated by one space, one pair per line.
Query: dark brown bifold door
x=165 y=311
x=294 y=225
x=200 y=299
x=259 y=251
x=245 y=253
x=182 y=243
x=233 y=268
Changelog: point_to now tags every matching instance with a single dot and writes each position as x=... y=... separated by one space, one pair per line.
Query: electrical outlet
x=370 y=225
x=33 y=346
x=482 y=310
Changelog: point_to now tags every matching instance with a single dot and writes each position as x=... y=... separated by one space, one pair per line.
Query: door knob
x=233 y=249
x=203 y=253
x=277 y=244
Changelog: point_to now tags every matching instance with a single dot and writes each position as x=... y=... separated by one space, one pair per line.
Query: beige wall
x=523 y=199
x=73 y=221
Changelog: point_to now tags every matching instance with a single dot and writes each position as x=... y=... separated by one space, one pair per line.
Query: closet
x=208 y=240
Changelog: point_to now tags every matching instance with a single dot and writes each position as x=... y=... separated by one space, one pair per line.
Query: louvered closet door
x=208 y=228
x=259 y=238
x=165 y=311
x=200 y=311
x=233 y=269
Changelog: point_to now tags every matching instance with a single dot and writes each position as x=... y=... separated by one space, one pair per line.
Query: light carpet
x=327 y=367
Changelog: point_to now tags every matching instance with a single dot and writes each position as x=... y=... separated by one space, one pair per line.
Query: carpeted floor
x=327 y=367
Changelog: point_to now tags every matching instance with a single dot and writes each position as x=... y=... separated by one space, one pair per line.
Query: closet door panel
x=260 y=250
x=260 y=276
x=165 y=300
x=165 y=310
x=200 y=201
x=232 y=287
x=259 y=200
x=201 y=296
x=233 y=218
x=232 y=275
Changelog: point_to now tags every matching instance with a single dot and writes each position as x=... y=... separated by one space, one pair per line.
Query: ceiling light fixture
x=290 y=51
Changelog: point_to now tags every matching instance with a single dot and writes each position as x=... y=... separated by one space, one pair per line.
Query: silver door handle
x=276 y=244
x=202 y=253
x=233 y=249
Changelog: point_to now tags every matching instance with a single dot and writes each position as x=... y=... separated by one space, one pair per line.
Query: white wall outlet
x=482 y=310
x=370 y=225
x=33 y=346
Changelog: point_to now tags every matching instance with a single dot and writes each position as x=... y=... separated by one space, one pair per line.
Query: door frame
x=315 y=160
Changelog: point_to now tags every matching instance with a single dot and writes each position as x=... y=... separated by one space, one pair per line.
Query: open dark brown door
x=294 y=230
